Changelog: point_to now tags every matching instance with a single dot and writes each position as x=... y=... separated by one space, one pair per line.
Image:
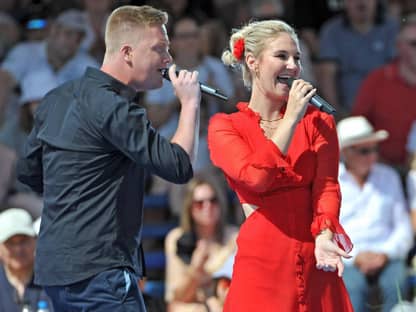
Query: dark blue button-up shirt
x=87 y=153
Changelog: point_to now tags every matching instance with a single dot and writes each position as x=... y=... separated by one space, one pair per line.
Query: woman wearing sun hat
x=373 y=212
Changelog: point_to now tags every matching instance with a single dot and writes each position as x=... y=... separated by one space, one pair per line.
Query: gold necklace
x=269 y=127
x=271 y=120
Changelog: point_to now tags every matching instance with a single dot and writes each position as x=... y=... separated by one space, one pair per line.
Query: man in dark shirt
x=87 y=154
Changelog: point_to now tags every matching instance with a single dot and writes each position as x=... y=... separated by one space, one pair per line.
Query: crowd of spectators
x=360 y=54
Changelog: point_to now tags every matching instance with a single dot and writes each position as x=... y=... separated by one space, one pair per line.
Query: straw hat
x=357 y=130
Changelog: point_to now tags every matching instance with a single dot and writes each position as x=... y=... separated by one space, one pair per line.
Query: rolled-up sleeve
x=29 y=166
x=326 y=192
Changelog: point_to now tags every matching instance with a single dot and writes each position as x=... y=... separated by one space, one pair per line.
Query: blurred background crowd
x=361 y=56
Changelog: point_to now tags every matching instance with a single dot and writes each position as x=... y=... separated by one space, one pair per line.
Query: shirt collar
x=119 y=87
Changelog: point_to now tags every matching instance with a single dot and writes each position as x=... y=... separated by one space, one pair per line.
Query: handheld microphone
x=204 y=88
x=316 y=100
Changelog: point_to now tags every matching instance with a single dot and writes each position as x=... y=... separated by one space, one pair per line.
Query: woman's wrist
x=325 y=233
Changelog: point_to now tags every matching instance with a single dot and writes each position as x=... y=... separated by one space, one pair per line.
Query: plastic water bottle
x=42 y=306
x=26 y=308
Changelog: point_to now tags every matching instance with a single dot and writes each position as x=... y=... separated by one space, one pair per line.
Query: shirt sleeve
x=400 y=239
x=326 y=192
x=258 y=170
x=127 y=128
x=29 y=166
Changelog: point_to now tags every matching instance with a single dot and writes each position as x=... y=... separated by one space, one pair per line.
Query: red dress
x=297 y=196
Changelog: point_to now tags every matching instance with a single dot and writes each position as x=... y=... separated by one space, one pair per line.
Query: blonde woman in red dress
x=281 y=156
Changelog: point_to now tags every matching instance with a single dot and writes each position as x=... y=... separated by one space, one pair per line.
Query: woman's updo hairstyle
x=253 y=38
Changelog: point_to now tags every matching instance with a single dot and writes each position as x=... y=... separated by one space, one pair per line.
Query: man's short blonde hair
x=127 y=19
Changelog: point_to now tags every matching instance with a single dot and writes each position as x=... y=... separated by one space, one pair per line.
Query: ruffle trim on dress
x=323 y=222
x=259 y=162
x=243 y=107
x=300 y=280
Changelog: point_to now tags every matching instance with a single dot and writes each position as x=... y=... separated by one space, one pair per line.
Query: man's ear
x=126 y=51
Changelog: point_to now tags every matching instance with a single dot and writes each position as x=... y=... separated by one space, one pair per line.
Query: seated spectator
x=13 y=136
x=308 y=17
x=58 y=54
x=198 y=247
x=386 y=97
x=352 y=44
x=374 y=212
x=95 y=14
x=17 y=253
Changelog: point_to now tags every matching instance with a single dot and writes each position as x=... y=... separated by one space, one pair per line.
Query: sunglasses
x=365 y=150
x=199 y=203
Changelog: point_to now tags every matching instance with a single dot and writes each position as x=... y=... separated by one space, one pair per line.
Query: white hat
x=356 y=130
x=36 y=226
x=35 y=85
x=15 y=221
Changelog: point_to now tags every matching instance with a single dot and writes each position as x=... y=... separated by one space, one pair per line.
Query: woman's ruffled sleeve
x=324 y=222
x=326 y=194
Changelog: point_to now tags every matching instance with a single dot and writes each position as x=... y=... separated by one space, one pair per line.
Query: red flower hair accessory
x=238 y=50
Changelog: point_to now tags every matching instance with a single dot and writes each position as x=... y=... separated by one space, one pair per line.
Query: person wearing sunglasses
x=374 y=213
x=199 y=246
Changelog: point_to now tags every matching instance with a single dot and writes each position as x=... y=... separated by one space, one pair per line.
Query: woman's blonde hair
x=125 y=20
x=255 y=36
x=186 y=221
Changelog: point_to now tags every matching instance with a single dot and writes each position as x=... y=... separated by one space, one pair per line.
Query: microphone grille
x=288 y=81
x=165 y=74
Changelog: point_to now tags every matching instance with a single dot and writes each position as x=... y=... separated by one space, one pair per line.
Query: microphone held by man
x=204 y=88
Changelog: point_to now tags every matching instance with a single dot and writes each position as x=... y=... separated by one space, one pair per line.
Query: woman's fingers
x=340 y=268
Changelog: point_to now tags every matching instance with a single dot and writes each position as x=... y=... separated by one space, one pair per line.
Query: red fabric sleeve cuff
x=323 y=222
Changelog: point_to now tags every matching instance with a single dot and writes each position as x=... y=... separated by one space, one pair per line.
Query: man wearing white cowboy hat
x=373 y=211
